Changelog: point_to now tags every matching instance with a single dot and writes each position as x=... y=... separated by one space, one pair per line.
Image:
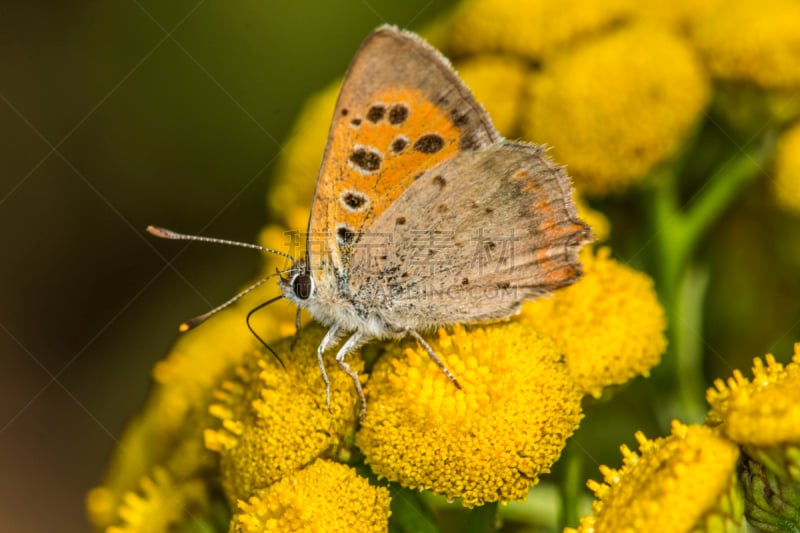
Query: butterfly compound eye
x=303 y=286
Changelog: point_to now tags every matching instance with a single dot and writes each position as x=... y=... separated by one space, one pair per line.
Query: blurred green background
x=115 y=115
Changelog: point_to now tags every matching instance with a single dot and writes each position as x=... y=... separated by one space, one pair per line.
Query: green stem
x=571 y=486
x=687 y=337
x=678 y=231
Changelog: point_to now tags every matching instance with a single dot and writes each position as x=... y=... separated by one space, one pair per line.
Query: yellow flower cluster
x=690 y=480
x=531 y=29
x=275 y=419
x=752 y=42
x=609 y=325
x=165 y=436
x=680 y=483
x=488 y=441
x=787 y=170
x=763 y=414
x=498 y=83
x=160 y=505
x=323 y=496
x=617 y=106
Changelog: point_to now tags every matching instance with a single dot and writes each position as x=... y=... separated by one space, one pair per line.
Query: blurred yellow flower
x=324 y=496
x=161 y=504
x=275 y=420
x=763 y=414
x=167 y=434
x=610 y=324
x=752 y=42
x=601 y=227
x=290 y=197
x=196 y=363
x=530 y=29
x=617 y=106
x=685 y=482
x=682 y=15
x=497 y=82
x=488 y=441
x=787 y=170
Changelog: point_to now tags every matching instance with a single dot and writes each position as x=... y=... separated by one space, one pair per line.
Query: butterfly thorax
x=329 y=301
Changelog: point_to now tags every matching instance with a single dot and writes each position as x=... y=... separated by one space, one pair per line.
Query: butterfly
x=423 y=215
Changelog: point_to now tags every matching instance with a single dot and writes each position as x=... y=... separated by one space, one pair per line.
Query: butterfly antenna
x=256 y=335
x=169 y=234
x=196 y=321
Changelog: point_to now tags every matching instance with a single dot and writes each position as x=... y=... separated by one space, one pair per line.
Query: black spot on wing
x=399 y=144
x=398 y=114
x=366 y=159
x=376 y=113
x=345 y=235
x=429 y=144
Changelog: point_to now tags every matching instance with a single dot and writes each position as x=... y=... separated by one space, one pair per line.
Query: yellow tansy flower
x=685 y=482
x=323 y=497
x=275 y=420
x=609 y=324
x=763 y=415
x=196 y=363
x=488 y=441
x=680 y=14
x=162 y=504
x=299 y=163
x=753 y=42
x=530 y=29
x=497 y=83
x=168 y=431
x=617 y=106
x=787 y=170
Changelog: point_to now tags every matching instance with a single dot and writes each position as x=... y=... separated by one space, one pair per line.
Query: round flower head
x=529 y=29
x=787 y=170
x=497 y=82
x=752 y=42
x=274 y=420
x=763 y=415
x=488 y=441
x=324 y=496
x=609 y=324
x=685 y=482
x=617 y=106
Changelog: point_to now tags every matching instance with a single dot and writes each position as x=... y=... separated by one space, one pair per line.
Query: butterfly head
x=298 y=285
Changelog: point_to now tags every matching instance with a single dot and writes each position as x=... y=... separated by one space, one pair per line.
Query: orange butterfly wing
x=401 y=110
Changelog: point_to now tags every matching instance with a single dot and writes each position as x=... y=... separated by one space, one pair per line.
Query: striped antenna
x=196 y=321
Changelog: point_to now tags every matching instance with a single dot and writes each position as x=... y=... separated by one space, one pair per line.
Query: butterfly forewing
x=402 y=110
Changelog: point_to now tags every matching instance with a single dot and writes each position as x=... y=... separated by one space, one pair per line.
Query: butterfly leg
x=356 y=340
x=296 y=328
x=327 y=340
x=433 y=356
